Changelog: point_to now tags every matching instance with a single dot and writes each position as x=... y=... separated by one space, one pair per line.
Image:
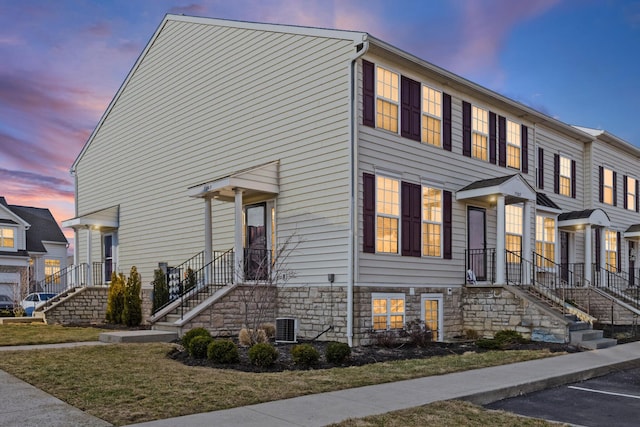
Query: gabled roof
x=544 y=201
x=514 y=187
x=596 y=217
x=40 y=224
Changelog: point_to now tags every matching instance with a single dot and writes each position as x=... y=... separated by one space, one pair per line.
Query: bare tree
x=264 y=271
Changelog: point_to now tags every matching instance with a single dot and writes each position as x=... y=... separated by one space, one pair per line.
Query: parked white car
x=35 y=300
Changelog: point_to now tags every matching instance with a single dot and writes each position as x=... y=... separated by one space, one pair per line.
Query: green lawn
x=39 y=333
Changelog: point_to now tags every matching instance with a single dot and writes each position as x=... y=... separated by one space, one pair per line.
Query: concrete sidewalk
x=480 y=386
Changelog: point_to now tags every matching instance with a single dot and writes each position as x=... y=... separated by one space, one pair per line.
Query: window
x=7 y=237
x=431 y=116
x=630 y=185
x=565 y=176
x=513 y=145
x=513 y=232
x=611 y=249
x=545 y=241
x=387 y=214
x=608 y=184
x=388 y=311
x=431 y=221
x=480 y=132
x=52 y=270
x=387 y=97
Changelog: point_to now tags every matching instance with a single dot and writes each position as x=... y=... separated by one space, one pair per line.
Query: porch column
x=500 y=240
x=208 y=238
x=588 y=250
x=238 y=247
x=526 y=238
x=603 y=256
x=89 y=265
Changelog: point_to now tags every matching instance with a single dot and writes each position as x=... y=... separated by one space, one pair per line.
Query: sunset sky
x=61 y=62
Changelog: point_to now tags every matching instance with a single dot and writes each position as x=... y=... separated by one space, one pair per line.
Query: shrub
x=419 y=334
x=195 y=332
x=263 y=354
x=223 y=351
x=509 y=336
x=304 y=355
x=132 y=309
x=471 y=334
x=246 y=337
x=269 y=330
x=189 y=279
x=160 y=289
x=488 y=344
x=386 y=339
x=115 y=299
x=337 y=352
x=199 y=345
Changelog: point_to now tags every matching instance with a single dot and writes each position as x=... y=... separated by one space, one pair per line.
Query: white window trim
x=631 y=207
x=424 y=113
x=474 y=131
x=396 y=103
x=425 y=221
x=14 y=248
x=440 y=299
x=518 y=144
x=556 y=252
x=604 y=186
x=384 y=215
x=388 y=296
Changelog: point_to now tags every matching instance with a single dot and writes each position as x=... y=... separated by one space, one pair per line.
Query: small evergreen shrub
x=160 y=289
x=189 y=279
x=195 y=332
x=509 y=336
x=223 y=351
x=115 y=299
x=337 y=352
x=199 y=345
x=132 y=310
x=263 y=354
x=304 y=355
x=488 y=344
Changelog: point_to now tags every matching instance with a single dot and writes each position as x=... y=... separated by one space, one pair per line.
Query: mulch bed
x=359 y=355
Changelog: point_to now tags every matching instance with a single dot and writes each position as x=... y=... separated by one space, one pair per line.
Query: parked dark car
x=6 y=303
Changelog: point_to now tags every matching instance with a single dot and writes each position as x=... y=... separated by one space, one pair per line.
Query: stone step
x=171 y=318
x=579 y=326
x=138 y=336
x=599 y=343
x=165 y=326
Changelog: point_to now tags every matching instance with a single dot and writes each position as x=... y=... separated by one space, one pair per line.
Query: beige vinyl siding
x=207 y=101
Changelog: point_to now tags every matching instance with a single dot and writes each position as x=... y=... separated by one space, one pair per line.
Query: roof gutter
x=353 y=155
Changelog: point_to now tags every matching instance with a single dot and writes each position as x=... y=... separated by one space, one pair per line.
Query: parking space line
x=604 y=392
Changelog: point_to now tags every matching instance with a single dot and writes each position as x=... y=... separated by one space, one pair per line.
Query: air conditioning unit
x=285 y=329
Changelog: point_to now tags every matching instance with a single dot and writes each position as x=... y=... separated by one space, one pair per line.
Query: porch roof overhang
x=107 y=218
x=576 y=219
x=262 y=179
x=514 y=187
x=633 y=232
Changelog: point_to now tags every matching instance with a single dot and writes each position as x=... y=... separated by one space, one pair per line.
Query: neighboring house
x=33 y=251
x=410 y=191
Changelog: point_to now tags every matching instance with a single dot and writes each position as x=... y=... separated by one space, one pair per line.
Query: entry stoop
x=137 y=336
x=584 y=336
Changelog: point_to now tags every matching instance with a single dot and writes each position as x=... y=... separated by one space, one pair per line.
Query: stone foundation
x=602 y=307
x=87 y=306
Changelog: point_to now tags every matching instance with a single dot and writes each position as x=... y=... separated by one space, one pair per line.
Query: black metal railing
x=193 y=285
x=552 y=275
x=70 y=277
x=617 y=284
x=101 y=273
x=515 y=272
x=480 y=265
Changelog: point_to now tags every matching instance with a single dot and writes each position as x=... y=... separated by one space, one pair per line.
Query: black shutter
x=624 y=191
x=466 y=129
x=556 y=173
x=524 y=134
x=411 y=218
x=410 y=108
x=601 y=184
x=573 y=179
x=369 y=213
x=446 y=121
x=615 y=189
x=637 y=193
x=368 y=94
x=446 y=224
x=492 y=137
x=502 y=141
x=540 y=168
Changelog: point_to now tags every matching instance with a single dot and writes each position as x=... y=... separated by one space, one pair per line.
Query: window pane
x=513 y=144
x=431 y=131
x=397 y=306
x=431 y=242
x=379 y=306
x=379 y=322
x=479 y=147
x=431 y=204
x=396 y=322
x=431 y=101
x=387 y=235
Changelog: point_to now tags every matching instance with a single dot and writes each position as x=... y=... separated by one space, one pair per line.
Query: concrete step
x=579 y=326
x=165 y=326
x=599 y=343
x=581 y=336
x=171 y=318
x=138 y=336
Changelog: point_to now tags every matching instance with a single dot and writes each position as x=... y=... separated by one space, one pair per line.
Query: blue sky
x=62 y=61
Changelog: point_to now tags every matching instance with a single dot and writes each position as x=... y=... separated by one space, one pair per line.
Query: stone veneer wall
x=225 y=317
x=488 y=310
x=363 y=317
x=600 y=307
x=88 y=306
x=147 y=303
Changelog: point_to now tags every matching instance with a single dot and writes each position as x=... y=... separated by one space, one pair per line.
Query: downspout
x=353 y=125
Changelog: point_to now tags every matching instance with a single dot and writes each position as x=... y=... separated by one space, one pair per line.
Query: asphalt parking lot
x=611 y=400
